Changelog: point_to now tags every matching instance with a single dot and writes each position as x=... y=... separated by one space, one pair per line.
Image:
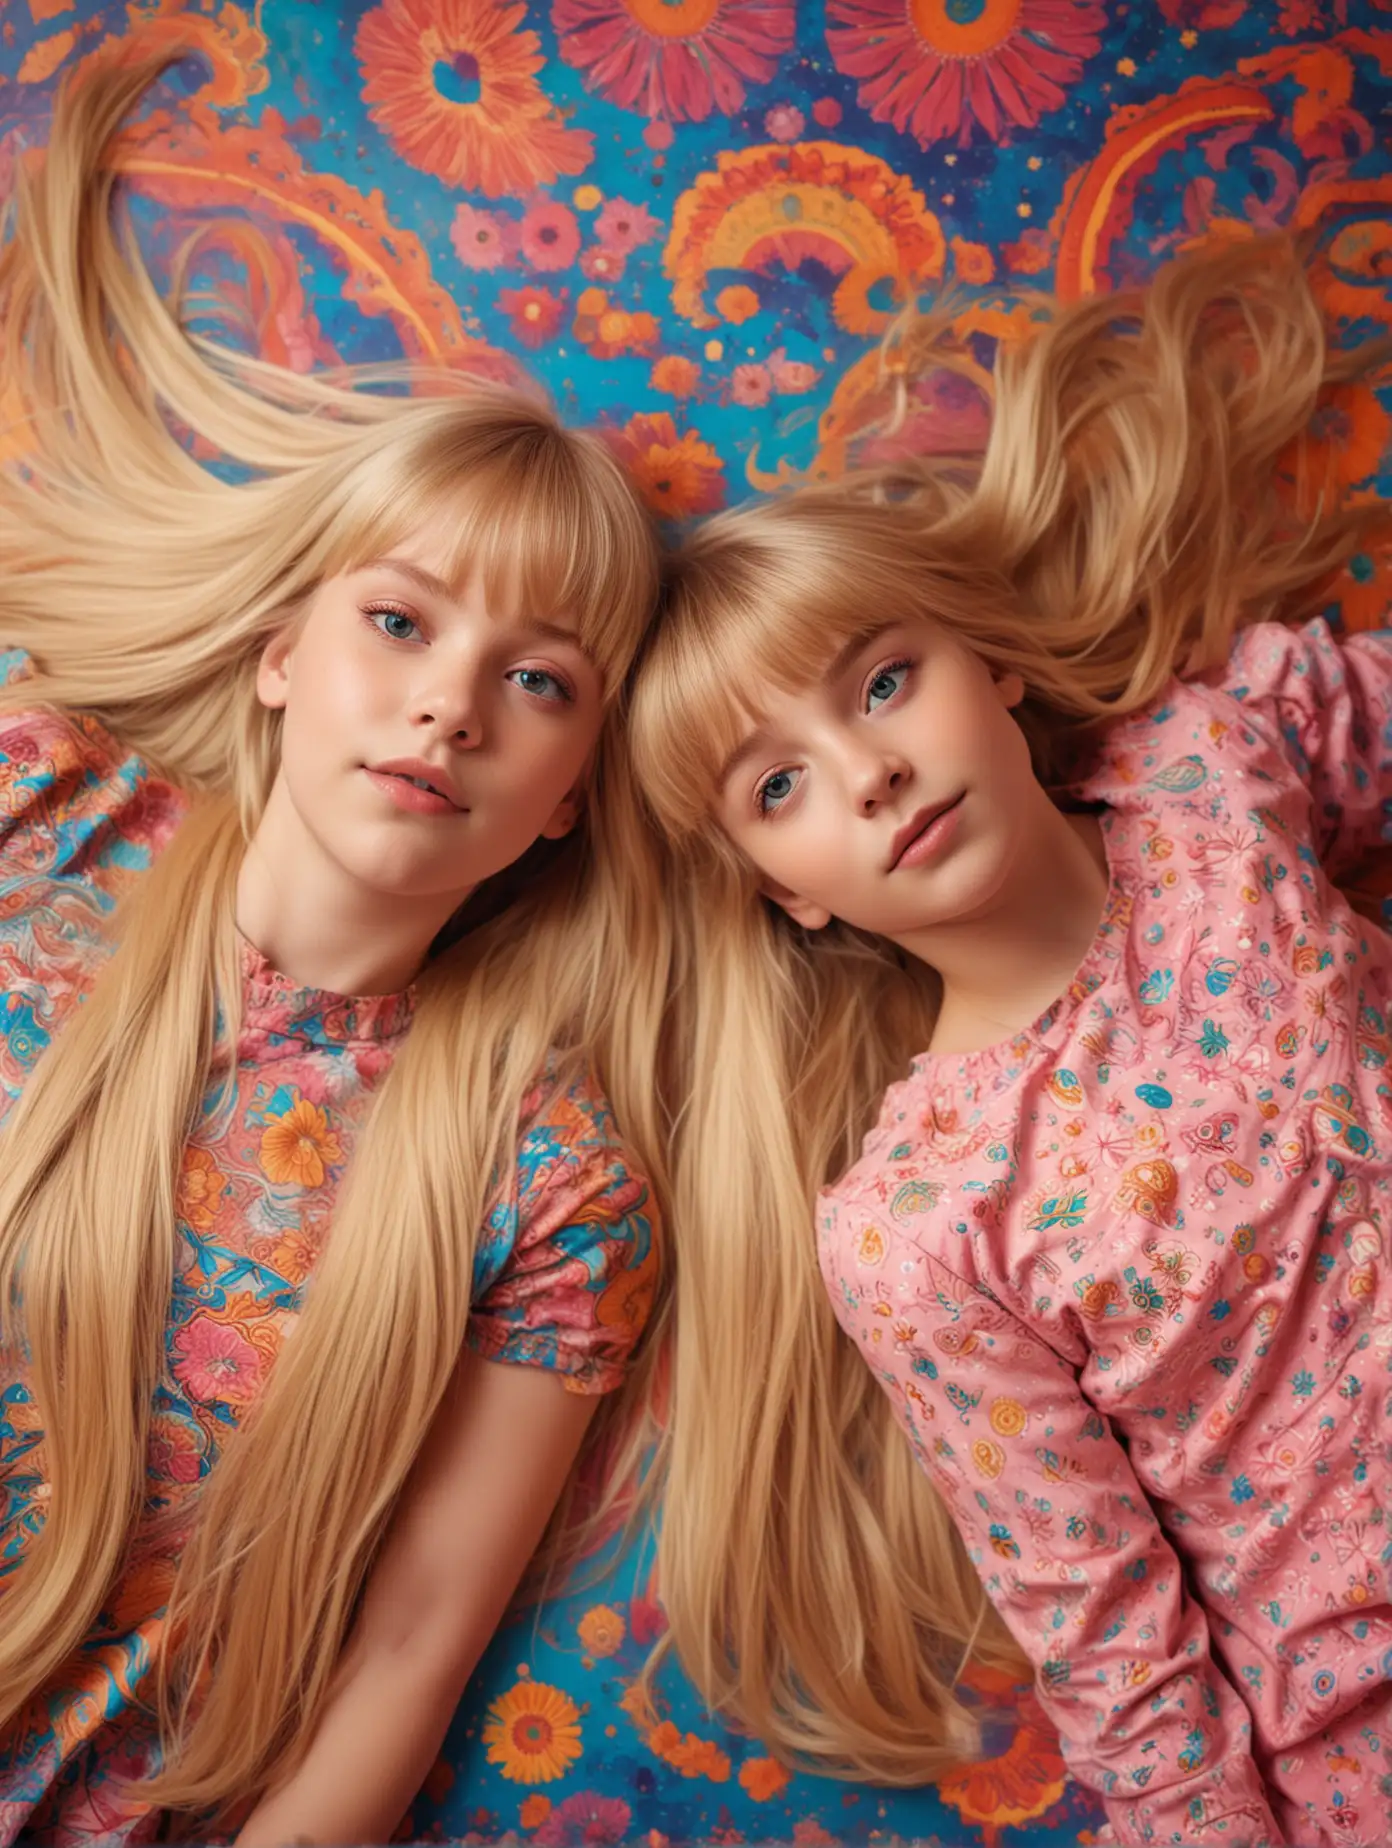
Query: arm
x=1071 y=1554
x=554 y=1327
x=470 y=1517
x=1327 y=700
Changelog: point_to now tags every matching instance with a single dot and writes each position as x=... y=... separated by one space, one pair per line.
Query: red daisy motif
x=935 y=68
x=550 y=236
x=480 y=239
x=623 y=227
x=585 y=1820
x=536 y=315
x=676 y=59
x=452 y=84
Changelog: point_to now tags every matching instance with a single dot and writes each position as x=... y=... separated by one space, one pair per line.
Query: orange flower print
x=973 y=262
x=201 y=1184
x=1006 y=1792
x=687 y=1753
x=676 y=376
x=297 y=1148
x=601 y=1631
x=1346 y=440
x=677 y=474
x=763 y=1778
x=452 y=84
x=534 y=1810
x=1365 y=590
x=1008 y=1417
x=533 y=1733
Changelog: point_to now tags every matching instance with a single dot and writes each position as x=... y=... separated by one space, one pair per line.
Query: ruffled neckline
x=272 y=1003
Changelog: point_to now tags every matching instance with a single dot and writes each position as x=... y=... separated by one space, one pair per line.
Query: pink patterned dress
x=562 y=1278
x=1126 y=1277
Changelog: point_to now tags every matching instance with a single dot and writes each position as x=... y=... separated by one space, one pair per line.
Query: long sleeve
x=1073 y=1557
x=1328 y=701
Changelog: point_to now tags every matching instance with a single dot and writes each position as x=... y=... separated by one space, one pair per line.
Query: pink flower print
x=479 y=238
x=217 y=1363
x=550 y=236
x=750 y=386
x=784 y=123
x=175 y=1450
x=602 y=264
x=623 y=227
x=586 y=1820
x=791 y=376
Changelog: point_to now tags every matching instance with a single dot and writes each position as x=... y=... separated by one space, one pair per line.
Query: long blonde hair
x=1123 y=517
x=143 y=586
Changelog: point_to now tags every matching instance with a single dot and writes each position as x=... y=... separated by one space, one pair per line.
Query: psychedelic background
x=692 y=219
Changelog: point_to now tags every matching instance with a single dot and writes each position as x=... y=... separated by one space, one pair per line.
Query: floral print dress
x=1125 y=1277
x=562 y=1275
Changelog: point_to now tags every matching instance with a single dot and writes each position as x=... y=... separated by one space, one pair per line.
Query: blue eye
x=887 y=683
x=395 y=624
x=537 y=681
x=774 y=791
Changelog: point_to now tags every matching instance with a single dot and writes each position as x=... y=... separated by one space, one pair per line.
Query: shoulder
x=569 y=1264
x=569 y=1146
x=1162 y=753
x=579 y=1196
x=66 y=785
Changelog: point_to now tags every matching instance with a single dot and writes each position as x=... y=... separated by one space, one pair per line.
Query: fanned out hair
x=1142 y=491
x=143 y=586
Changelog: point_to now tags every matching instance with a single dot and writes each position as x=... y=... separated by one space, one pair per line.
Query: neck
x=1002 y=967
x=320 y=927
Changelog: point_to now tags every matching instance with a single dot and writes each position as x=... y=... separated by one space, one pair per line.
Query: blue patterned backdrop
x=693 y=219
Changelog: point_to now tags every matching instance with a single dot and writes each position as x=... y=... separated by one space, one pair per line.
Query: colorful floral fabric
x=691 y=220
x=1125 y=1276
x=562 y=1275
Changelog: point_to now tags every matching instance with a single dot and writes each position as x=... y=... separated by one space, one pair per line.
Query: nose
x=874 y=774
x=447 y=703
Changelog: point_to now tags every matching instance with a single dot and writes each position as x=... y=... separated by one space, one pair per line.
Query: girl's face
x=428 y=739
x=893 y=794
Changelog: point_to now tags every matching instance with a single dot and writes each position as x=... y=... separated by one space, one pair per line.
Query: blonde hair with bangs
x=1123 y=519
x=144 y=585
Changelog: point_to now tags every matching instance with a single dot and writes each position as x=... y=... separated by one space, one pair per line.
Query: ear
x=1010 y=689
x=800 y=910
x=565 y=814
x=273 y=669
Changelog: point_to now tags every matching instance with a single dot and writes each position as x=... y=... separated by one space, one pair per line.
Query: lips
x=421 y=775
x=917 y=825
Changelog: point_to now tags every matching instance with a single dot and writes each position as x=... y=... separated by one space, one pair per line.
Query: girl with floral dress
x=311 y=1199
x=1010 y=847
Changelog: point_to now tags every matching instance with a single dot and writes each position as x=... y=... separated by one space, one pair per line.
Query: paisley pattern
x=693 y=219
x=1141 y=1337
x=562 y=1274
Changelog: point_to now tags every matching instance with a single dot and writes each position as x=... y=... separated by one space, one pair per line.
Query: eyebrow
x=437 y=587
x=838 y=664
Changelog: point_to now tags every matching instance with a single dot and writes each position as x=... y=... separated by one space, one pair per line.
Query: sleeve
x=1074 y=1559
x=568 y=1269
x=1326 y=700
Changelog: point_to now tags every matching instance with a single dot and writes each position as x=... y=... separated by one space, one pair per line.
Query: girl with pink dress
x=1034 y=1046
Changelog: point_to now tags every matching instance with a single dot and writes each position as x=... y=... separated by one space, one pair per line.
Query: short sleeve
x=1326 y=700
x=568 y=1265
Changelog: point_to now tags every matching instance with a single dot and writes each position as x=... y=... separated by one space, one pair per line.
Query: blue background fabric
x=693 y=220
